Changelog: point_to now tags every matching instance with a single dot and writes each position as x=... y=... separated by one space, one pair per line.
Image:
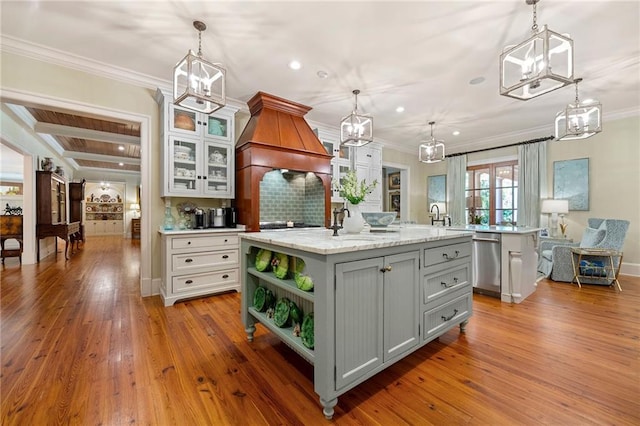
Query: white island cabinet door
x=359 y=319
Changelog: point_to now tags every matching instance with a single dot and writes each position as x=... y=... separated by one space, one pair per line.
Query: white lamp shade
x=199 y=84
x=579 y=121
x=538 y=65
x=135 y=206
x=555 y=206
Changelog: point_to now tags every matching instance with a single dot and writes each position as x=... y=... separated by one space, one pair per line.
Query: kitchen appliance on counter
x=230 y=220
x=216 y=218
x=199 y=219
x=486 y=264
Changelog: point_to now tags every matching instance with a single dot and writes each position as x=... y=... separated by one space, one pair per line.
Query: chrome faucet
x=437 y=219
x=335 y=225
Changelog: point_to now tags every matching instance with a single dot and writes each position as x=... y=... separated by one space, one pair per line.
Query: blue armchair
x=555 y=259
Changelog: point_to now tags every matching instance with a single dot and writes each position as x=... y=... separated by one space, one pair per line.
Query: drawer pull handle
x=455 y=312
x=386 y=269
x=226 y=256
x=455 y=281
x=225 y=276
x=446 y=256
x=188 y=282
x=188 y=260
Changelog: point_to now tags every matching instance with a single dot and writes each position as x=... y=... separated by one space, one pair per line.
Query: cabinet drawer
x=208 y=241
x=448 y=253
x=445 y=281
x=206 y=259
x=210 y=280
x=440 y=319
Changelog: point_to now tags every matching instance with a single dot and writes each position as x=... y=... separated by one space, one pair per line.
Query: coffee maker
x=216 y=218
x=230 y=220
x=199 y=218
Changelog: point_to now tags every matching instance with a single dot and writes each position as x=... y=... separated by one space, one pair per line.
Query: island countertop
x=496 y=228
x=321 y=241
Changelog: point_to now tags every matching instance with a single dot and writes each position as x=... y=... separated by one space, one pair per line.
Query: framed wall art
x=394 y=203
x=436 y=189
x=394 y=180
x=571 y=182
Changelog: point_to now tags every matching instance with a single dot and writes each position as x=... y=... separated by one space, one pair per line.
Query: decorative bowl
x=379 y=219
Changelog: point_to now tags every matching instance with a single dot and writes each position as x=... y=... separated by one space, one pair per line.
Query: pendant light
x=432 y=150
x=538 y=65
x=198 y=84
x=356 y=129
x=579 y=120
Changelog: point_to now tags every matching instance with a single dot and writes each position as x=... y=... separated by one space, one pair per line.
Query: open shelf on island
x=286 y=334
x=288 y=285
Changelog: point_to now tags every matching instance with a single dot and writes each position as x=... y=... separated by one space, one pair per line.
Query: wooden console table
x=11 y=229
x=66 y=231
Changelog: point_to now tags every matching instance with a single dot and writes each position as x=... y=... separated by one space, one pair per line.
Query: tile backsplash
x=297 y=197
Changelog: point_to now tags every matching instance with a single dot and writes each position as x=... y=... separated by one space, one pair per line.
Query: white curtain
x=456 y=176
x=532 y=182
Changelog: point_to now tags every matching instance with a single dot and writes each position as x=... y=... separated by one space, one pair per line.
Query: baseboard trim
x=632 y=269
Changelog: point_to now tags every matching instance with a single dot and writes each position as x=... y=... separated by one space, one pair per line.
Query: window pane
x=482 y=178
x=504 y=198
x=504 y=176
x=505 y=217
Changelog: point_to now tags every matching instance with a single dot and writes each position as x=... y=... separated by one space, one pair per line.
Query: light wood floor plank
x=80 y=346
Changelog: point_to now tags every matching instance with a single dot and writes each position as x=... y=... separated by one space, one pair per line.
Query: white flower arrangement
x=352 y=190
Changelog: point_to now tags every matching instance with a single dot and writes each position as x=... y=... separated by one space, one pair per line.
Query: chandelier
x=538 y=65
x=356 y=129
x=432 y=150
x=198 y=84
x=579 y=120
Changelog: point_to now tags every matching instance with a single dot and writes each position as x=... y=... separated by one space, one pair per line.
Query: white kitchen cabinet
x=104 y=227
x=199 y=263
x=198 y=152
x=369 y=167
x=340 y=163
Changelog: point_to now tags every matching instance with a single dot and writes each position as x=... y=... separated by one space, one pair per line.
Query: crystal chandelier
x=579 y=120
x=356 y=129
x=538 y=65
x=197 y=83
x=432 y=150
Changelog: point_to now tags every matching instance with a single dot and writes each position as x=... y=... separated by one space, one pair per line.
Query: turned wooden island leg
x=463 y=326
x=250 y=330
x=328 y=407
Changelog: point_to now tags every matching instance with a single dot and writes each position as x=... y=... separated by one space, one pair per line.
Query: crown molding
x=47 y=54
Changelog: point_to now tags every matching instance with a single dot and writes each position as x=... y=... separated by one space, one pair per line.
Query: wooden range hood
x=276 y=137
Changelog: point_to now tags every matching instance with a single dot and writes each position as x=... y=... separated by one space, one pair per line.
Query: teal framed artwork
x=571 y=182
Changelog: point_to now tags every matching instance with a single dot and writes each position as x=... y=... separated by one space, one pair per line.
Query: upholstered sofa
x=554 y=260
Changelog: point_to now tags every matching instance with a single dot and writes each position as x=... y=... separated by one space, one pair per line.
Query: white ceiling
x=420 y=55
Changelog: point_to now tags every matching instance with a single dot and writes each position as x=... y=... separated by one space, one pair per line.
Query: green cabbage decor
x=263 y=260
x=295 y=313
x=281 y=317
x=280 y=264
x=263 y=299
x=303 y=281
x=306 y=331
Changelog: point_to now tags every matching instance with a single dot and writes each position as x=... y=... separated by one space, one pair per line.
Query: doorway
x=395 y=193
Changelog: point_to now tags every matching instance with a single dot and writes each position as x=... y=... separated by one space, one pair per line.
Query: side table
x=607 y=270
x=135 y=228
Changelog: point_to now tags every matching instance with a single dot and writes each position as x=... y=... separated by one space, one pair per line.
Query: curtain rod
x=546 y=138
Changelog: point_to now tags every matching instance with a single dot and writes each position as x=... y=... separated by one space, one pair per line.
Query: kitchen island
x=376 y=297
x=516 y=261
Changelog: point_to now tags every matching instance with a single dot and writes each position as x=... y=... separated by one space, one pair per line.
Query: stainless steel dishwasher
x=486 y=263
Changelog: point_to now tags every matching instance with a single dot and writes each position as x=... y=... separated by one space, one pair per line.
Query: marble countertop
x=321 y=241
x=497 y=229
x=240 y=228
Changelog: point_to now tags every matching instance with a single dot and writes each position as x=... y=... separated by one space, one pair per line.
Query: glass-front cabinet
x=339 y=163
x=198 y=152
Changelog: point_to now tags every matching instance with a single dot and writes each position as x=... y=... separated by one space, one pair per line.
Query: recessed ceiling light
x=477 y=80
x=400 y=109
x=120 y=164
x=322 y=74
x=295 y=65
x=121 y=148
x=456 y=132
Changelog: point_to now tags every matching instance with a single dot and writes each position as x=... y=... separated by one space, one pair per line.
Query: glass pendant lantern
x=579 y=120
x=356 y=129
x=432 y=150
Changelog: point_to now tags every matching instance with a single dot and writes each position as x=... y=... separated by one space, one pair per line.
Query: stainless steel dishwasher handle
x=488 y=240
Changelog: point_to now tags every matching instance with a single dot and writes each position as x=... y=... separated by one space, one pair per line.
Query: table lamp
x=555 y=208
x=136 y=209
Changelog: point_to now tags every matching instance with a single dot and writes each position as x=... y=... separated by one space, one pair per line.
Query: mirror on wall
x=436 y=189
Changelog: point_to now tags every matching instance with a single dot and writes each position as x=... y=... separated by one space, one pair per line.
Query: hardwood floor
x=80 y=346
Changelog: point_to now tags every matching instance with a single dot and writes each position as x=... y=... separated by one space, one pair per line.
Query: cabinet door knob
x=188 y=242
x=386 y=269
